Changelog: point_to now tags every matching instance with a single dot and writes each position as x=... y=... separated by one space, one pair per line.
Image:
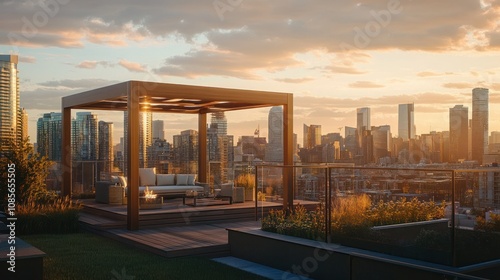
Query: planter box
x=319 y=260
x=410 y=231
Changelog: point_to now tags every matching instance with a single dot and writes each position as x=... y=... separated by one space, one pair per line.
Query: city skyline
x=383 y=54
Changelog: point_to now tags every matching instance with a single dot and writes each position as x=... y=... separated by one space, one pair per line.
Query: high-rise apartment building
x=158 y=130
x=84 y=141
x=274 y=150
x=350 y=142
x=24 y=124
x=219 y=123
x=459 y=135
x=495 y=137
x=381 y=141
x=145 y=136
x=105 y=132
x=185 y=152
x=312 y=136
x=10 y=112
x=479 y=123
x=363 y=123
x=220 y=148
x=494 y=143
x=431 y=147
x=49 y=136
x=406 y=121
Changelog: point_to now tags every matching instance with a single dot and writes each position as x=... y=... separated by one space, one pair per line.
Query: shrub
x=59 y=215
x=491 y=225
x=272 y=220
x=31 y=170
x=347 y=214
x=300 y=222
x=402 y=211
x=246 y=180
x=351 y=216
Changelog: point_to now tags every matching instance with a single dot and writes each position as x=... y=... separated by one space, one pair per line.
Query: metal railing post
x=452 y=233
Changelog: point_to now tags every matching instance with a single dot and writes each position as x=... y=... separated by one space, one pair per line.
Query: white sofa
x=165 y=184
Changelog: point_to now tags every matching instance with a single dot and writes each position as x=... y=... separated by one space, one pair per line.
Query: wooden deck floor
x=176 y=230
x=197 y=240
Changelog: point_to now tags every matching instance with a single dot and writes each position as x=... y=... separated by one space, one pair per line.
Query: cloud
x=91 y=64
x=27 y=59
x=459 y=85
x=215 y=63
x=43 y=97
x=257 y=30
x=495 y=86
x=343 y=70
x=346 y=104
x=365 y=84
x=295 y=80
x=133 y=66
x=426 y=74
x=77 y=84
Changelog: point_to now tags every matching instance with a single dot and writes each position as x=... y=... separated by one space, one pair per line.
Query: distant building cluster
x=95 y=155
x=466 y=141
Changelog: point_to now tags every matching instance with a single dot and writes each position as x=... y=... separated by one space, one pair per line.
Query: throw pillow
x=147 y=176
x=182 y=179
x=123 y=181
x=165 y=179
x=191 y=179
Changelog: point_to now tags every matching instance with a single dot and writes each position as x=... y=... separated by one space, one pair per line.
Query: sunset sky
x=334 y=56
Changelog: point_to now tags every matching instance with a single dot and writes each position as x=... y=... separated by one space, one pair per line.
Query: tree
x=30 y=170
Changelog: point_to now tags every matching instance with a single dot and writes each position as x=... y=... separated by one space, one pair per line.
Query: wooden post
x=202 y=148
x=133 y=108
x=66 y=162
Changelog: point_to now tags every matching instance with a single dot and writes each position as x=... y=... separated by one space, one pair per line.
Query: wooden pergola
x=136 y=96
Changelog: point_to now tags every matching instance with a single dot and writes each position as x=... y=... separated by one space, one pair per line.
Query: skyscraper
x=362 y=123
x=312 y=136
x=351 y=145
x=10 y=112
x=274 y=149
x=459 y=136
x=145 y=136
x=220 y=148
x=84 y=136
x=479 y=123
x=185 y=152
x=363 y=126
x=24 y=123
x=406 y=121
x=158 y=130
x=495 y=137
x=219 y=122
x=49 y=135
x=381 y=141
x=105 y=132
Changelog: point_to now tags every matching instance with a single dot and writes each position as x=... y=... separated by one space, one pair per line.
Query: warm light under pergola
x=136 y=96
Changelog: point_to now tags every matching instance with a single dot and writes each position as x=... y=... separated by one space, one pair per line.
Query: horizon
x=334 y=57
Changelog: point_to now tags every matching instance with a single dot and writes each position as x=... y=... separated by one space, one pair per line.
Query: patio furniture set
x=153 y=187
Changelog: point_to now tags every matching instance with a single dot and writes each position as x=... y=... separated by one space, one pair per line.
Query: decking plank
x=175 y=230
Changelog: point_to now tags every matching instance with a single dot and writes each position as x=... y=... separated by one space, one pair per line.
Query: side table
x=116 y=195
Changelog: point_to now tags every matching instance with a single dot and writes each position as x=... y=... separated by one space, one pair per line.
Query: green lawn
x=87 y=256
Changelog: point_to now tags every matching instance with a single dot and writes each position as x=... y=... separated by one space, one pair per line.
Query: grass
x=88 y=256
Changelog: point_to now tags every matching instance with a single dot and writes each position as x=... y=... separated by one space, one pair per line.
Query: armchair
x=236 y=194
